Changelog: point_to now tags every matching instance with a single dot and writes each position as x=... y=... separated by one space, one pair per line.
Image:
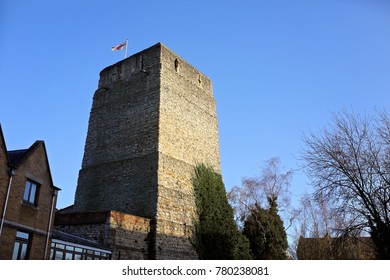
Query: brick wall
x=33 y=219
x=4 y=172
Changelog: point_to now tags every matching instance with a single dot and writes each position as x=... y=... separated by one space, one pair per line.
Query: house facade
x=27 y=202
x=332 y=248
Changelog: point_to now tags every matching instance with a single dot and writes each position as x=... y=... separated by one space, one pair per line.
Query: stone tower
x=153 y=118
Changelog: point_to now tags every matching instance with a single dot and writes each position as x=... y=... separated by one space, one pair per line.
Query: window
x=67 y=252
x=30 y=192
x=21 y=245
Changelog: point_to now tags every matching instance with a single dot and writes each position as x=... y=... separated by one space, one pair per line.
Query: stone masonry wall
x=153 y=119
x=188 y=134
x=119 y=170
x=127 y=235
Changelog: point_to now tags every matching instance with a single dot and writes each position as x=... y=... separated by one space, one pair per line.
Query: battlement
x=150 y=60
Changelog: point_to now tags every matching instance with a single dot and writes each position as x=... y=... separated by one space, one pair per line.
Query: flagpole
x=127 y=42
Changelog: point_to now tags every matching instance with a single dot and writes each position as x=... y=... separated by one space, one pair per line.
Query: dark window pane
x=23 y=252
x=27 y=191
x=59 y=255
x=32 y=193
x=78 y=249
x=69 y=248
x=22 y=235
x=16 y=251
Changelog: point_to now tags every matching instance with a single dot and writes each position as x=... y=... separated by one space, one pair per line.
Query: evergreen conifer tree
x=265 y=231
x=216 y=235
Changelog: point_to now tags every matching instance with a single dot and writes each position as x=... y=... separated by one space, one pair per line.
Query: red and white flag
x=119 y=47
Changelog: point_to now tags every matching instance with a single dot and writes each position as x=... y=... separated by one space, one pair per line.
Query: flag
x=119 y=47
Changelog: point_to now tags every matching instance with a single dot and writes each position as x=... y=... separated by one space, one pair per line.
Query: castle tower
x=153 y=118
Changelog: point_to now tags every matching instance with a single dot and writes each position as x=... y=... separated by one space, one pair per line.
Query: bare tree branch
x=272 y=184
x=349 y=166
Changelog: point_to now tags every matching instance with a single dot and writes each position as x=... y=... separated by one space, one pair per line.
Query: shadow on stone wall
x=129 y=236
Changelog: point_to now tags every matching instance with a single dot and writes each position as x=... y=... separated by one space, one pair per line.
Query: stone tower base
x=130 y=237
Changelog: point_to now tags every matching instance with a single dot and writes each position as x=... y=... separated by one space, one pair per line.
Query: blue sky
x=279 y=69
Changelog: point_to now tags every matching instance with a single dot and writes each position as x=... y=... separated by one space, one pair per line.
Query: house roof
x=335 y=248
x=68 y=237
x=16 y=158
x=2 y=141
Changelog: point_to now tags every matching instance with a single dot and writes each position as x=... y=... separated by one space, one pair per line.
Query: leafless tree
x=314 y=218
x=272 y=185
x=349 y=166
